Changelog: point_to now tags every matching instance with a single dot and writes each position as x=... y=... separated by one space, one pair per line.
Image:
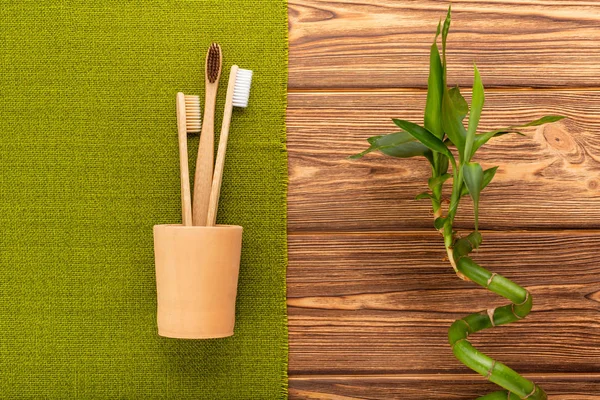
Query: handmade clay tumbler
x=197 y=271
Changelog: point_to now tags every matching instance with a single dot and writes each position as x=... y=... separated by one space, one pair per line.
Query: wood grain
x=370 y=298
x=549 y=179
x=433 y=387
x=381 y=303
x=385 y=43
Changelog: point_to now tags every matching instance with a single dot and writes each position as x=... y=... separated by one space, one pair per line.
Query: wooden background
x=370 y=297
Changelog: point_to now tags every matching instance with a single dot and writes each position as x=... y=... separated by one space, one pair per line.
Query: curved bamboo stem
x=516 y=386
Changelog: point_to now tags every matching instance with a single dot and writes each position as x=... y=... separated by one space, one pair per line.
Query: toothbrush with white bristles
x=188 y=121
x=238 y=92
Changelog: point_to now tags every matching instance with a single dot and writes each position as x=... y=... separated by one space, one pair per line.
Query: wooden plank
x=433 y=387
x=549 y=179
x=382 y=302
x=383 y=44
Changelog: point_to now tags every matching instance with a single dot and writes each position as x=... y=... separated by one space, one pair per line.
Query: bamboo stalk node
x=460 y=340
x=462 y=276
x=532 y=392
x=470 y=330
x=489 y=282
x=491 y=370
x=526 y=299
x=490 y=313
x=512 y=308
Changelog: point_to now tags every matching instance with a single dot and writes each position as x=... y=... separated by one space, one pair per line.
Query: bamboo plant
x=442 y=130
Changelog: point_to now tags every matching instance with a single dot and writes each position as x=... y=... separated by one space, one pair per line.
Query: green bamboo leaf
x=545 y=120
x=424 y=136
x=473 y=177
x=438 y=180
x=362 y=153
x=460 y=104
x=442 y=164
x=476 y=107
x=435 y=91
x=488 y=175
x=476 y=103
x=452 y=122
x=398 y=144
x=428 y=154
x=391 y=139
x=439 y=222
x=423 y=195
x=407 y=150
x=445 y=30
x=373 y=139
x=503 y=131
x=483 y=138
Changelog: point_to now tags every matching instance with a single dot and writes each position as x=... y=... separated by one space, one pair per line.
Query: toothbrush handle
x=213 y=203
x=204 y=162
x=186 y=197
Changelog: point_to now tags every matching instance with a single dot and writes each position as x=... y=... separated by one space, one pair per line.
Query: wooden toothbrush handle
x=184 y=172
x=204 y=162
x=213 y=203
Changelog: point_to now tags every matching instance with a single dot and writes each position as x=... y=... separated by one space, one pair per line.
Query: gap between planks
x=490 y=89
x=442 y=377
x=433 y=232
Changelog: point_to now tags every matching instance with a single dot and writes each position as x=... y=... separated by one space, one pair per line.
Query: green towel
x=89 y=163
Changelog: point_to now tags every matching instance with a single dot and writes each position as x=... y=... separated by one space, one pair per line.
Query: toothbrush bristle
x=213 y=62
x=241 y=89
x=193 y=118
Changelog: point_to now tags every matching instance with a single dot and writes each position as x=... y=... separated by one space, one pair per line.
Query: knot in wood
x=559 y=139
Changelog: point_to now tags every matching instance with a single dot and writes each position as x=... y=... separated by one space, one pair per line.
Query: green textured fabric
x=89 y=163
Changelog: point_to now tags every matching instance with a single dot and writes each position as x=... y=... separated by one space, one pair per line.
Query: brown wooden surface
x=432 y=387
x=382 y=302
x=549 y=179
x=370 y=297
x=385 y=43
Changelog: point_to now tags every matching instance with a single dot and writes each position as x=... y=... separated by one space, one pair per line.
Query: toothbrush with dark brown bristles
x=204 y=162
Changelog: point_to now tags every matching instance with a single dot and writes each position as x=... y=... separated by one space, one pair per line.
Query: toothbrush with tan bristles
x=238 y=92
x=188 y=121
x=204 y=162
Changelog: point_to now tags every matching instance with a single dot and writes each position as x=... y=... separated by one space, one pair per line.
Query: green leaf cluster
x=444 y=130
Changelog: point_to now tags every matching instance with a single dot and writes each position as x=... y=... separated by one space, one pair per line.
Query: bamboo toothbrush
x=204 y=162
x=238 y=92
x=188 y=121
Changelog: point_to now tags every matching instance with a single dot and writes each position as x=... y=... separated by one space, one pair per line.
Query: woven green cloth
x=89 y=163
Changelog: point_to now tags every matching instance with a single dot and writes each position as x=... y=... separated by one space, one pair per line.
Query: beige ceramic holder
x=196 y=279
